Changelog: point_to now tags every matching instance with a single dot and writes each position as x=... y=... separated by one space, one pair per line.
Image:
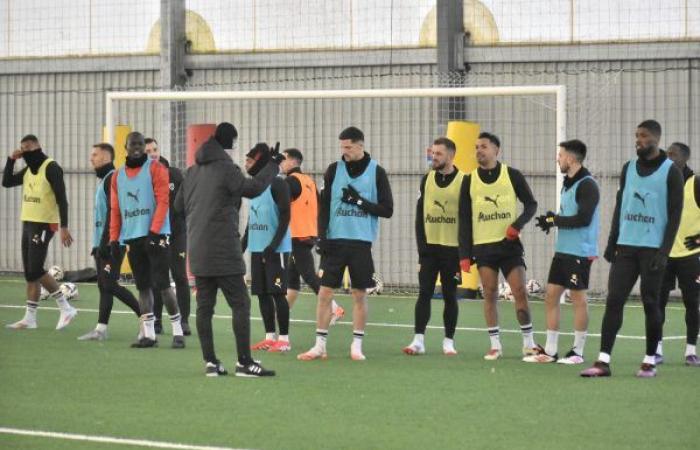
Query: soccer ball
x=44 y=294
x=505 y=292
x=533 y=287
x=56 y=272
x=378 y=285
x=70 y=290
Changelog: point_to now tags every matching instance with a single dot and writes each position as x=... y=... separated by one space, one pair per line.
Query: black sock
x=128 y=298
x=267 y=311
x=692 y=316
x=282 y=310
x=106 y=303
x=450 y=315
x=422 y=312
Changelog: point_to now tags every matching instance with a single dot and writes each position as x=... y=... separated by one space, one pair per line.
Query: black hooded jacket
x=210 y=198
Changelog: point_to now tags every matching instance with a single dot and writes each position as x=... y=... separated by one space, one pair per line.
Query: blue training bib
x=644 y=210
x=263 y=220
x=137 y=203
x=349 y=221
x=581 y=241
x=100 y=211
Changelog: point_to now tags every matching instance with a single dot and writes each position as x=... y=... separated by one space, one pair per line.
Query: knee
x=205 y=308
x=426 y=291
x=449 y=296
x=490 y=294
x=519 y=292
x=651 y=308
x=107 y=285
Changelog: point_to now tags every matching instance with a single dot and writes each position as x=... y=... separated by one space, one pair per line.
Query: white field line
x=369 y=324
x=532 y=299
x=109 y=440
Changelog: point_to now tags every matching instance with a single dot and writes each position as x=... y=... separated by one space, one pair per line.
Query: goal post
x=398 y=123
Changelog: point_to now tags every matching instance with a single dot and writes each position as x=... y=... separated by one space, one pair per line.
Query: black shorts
x=504 y=255
x=356 y=257
x=569 y=271
x=268 y=276
x=35 y=245
x=149 y=263
x=301 y=264
x=686 y=270
x=443 y=261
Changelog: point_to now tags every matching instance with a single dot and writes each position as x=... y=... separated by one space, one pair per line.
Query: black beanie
x=261 y=154
x=225 y=134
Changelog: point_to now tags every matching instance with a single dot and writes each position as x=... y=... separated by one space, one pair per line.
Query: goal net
x=399 y=124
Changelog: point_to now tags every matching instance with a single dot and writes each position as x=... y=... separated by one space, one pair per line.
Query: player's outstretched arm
x=252 y=187
x=9 y=178
x=280 y=194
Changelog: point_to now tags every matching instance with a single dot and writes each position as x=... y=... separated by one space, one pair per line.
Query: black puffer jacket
x=210 y=197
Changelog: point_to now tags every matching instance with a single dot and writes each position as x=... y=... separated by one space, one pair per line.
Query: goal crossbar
x=559 y=91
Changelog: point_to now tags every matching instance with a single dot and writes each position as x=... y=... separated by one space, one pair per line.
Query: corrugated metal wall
x=66 y=112
x=606 y=101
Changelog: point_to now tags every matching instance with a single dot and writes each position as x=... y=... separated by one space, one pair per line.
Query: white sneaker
x=67 y=315
x=493 y=354
x=356 y=354
x=571 y=358
x=542 y=358
x=23 y=324
x=448 y=347
x=94 y=335
x=414 y=348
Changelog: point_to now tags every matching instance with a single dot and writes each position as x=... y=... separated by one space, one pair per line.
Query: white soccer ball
x=56 y=272
x=70 y=290
x=505 y=292
x=43 y=294
x=378 y=285
x=533 y=287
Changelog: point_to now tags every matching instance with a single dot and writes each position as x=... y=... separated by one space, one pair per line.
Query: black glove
x=351 y=196
x=93 y=252
x=275 y=154
x=658 y=262
x=692 y=242
x=546 y=221
x=609 y=254
x=115 y=250
x=159 y=240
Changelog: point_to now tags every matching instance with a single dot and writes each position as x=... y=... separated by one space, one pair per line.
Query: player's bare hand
x=66 y=238
x=16 y=154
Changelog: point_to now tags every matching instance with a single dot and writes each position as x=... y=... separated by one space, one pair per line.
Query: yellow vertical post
x=120 y=134
x=464 y=134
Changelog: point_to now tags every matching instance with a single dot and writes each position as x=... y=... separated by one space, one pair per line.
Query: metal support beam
x=173 y=42
x=450 y=58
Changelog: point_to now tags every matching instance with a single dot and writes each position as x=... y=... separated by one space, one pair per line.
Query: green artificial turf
x=49 y=381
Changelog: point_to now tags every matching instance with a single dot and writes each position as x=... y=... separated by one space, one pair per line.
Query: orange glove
x=512 y=233
x=465 y=265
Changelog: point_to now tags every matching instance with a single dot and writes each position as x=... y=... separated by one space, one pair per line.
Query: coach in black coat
x=210 y=197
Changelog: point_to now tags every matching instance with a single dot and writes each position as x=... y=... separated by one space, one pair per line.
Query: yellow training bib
x=38 y=199
x=441 y=210
x=493 y=207
x=690 y=221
